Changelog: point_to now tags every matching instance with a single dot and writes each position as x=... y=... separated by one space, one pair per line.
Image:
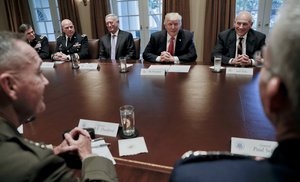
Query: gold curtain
x=69 y=10
x=180 y=6
x=219 y=16
x=98 y=17
x=18 y=12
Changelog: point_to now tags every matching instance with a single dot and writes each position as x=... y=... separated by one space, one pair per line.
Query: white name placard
x=88 y=66
x=100 y=127
x=252 y=147
x=240 y=71
x=160 y=72
x=47 y=65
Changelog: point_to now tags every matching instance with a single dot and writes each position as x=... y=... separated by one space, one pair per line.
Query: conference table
x=175 y=113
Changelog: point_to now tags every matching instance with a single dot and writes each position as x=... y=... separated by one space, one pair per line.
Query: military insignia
x=77 y=45
x=83 y=35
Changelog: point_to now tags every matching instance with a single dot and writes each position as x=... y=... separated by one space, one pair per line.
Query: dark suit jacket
x=43 y=47
x=24 y=160
x=283 y=166
x=125 y=46
x=78 y=44
x=226 y=44
x=184 y=50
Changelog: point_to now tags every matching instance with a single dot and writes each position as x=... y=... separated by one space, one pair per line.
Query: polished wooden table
x=199 y=110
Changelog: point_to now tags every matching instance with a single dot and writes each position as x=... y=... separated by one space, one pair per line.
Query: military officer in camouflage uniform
x=22 y=86
x=38 y=42
x=70 y=43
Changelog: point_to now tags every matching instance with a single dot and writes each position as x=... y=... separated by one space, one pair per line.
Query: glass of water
x=127 y=120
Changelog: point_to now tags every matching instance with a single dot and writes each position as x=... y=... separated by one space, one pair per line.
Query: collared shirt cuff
x=253 y=62
x=176 y=60
x=158 y=59
x=230 y=61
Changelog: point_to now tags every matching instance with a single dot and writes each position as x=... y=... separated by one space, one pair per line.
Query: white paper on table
x=88 y=66
x=129 y=65
x=100 y=127
x=20 y=129
x=47 y=65
x=239 y=71
x=212 y=67
x=160 y=67
x=251 y=147
x=180 y=68
x=102 y=151
x=58 y=62
x=132 y=146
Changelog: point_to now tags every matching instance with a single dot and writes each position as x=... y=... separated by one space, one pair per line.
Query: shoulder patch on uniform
x=83 y=35
x=42 y=36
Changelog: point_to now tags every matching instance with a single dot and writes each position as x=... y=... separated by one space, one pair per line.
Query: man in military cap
x=38 y=42
x=70 y=43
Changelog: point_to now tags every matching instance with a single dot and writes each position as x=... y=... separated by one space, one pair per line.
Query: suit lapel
x=119 y=39
x=232 y=43
x=250 y=43
x=179 y=41
x=163 y=41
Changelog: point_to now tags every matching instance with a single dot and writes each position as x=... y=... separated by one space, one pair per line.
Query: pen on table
x=101 y=145
x=97 y=139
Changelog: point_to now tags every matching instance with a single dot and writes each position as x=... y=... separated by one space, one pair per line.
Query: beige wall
x=85 y=17
x=197 y=14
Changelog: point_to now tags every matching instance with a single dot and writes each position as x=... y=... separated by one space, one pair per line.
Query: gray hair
x=173 y=16
x=10 y=54
x=115 y=17
x=284 y=47
x=24 y=27
x=245 y=13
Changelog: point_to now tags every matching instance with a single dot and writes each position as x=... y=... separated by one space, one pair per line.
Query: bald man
x=238 y=45
x=70 y=43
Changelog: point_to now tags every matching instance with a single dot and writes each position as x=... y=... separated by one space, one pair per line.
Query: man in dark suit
x=70 y=43
x=116 y=43
x=38 y=42
x=173 y=45
x=22 y=86
x=238 y=45
x=279 y=87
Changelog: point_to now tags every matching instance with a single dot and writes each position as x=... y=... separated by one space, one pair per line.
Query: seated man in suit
x=116 y=43
x=70 y=43
x=279 y=87
x=172 y=45
x=38 y=42
x=238 y=45
x=22 y=86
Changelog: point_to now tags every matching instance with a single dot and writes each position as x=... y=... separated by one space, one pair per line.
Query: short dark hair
x=24 y=27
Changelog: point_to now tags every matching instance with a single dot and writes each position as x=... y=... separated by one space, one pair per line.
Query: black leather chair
x=137 y=43
x=93 y=48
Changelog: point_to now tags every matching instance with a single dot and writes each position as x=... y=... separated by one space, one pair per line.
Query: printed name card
x=251 y=147
x=88 y=66
x=47 y=65
x=101 y=128
x=160 y=72
x=240 y=71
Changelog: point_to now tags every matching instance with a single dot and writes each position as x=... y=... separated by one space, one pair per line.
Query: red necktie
x=171 y=46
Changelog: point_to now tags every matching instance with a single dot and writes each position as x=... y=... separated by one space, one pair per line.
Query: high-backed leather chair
x=52 y=46
x=93 y=48
x=137 y=43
